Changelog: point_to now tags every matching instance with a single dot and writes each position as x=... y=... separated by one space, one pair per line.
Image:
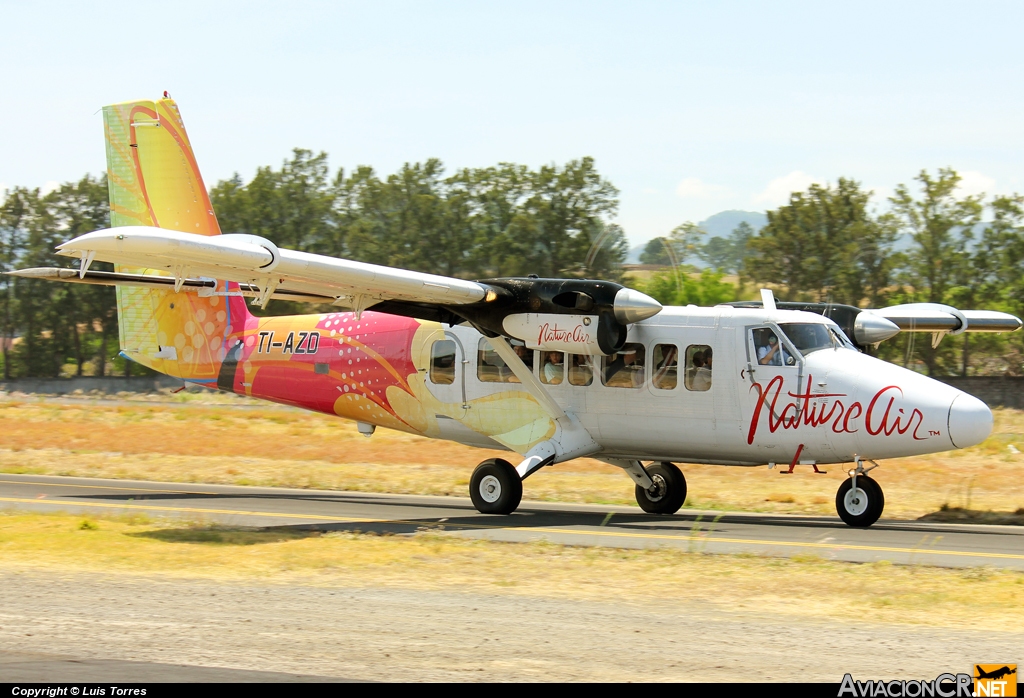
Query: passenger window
x=770 y=351
x=526 y=355
x=666 y=366
x=581 y=369
x=699 y=359
x=624 y=369
x=491 y=368
x=442 y=362
x=552 y=367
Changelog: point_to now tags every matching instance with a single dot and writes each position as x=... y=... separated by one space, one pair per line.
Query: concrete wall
x=994 y=391
x=87 y=384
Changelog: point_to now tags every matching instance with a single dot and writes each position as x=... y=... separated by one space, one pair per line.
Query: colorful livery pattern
x=369 y=369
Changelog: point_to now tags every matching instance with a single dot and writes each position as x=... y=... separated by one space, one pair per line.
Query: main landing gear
x=495 y=487
x=860 y=499
x=667 y=493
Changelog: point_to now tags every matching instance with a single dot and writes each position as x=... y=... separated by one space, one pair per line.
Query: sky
x=688 y=108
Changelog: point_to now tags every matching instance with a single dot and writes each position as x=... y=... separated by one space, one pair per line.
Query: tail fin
x=154 y=180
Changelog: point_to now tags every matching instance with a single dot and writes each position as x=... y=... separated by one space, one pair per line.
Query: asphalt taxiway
x=902 y=542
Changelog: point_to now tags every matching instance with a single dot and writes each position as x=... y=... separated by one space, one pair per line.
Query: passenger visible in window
x=626 y=368
x=442 y=362
x=698 y=371
x=702 y=376
x=552 y=370
x=490 y=368
x=581 y=370
x=526 y=356
x=666 y=359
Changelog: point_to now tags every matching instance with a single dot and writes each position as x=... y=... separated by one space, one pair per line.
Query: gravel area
x=398 y=634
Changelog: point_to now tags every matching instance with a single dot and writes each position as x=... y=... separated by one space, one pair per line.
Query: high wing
x=940 y=320
x=265 y=268
x=936 y=317
x=871 y=326
x=540 y=312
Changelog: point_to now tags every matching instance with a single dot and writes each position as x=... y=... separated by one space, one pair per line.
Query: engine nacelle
x=550 y=332
x=575 y=315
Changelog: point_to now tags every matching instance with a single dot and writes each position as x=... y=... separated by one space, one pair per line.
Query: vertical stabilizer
x=154 y=180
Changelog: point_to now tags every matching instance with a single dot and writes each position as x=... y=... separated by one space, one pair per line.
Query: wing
x=577 y=315
x=868 y=327
x=935 y=317
x=264 y=267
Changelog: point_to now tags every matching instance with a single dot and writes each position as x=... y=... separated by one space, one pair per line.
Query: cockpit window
x=810 y=337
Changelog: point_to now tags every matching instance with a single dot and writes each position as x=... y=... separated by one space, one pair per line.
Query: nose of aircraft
x=970 y=421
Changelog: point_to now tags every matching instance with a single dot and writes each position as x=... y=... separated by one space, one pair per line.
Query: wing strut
x=526 y=377
x=571 y=438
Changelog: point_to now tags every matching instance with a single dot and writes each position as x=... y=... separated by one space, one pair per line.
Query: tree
x=941 y=225
x=75 y=209
x=291 y=207
x=655 y=252
x=824 y=246
x=994 y=279
x=14 y=215
x=727 y=254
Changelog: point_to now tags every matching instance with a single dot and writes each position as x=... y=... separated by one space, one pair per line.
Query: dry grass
x=213 y=440
x=828 y=590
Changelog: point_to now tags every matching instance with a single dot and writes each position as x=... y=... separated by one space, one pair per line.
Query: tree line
x=826 y=244
x=505 y=220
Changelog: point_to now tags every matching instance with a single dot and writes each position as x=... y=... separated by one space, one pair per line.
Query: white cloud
x=973 y=182
x=778 y=190
x=3 y=187
x=52 y=185
x=693 y=188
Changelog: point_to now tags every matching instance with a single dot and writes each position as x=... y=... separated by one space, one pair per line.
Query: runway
x=902 y=542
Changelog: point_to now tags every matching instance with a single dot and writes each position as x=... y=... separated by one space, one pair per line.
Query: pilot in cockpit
x=769 y=349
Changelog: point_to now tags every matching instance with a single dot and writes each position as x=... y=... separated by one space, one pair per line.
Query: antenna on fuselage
x=767 y=299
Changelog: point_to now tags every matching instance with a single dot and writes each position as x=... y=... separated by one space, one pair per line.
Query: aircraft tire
x=496 y=487
x=852 y=507
x=672 y=490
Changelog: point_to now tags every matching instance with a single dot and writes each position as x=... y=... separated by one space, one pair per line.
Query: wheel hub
x=490 y=489
x=658 y=489
x=856 y=501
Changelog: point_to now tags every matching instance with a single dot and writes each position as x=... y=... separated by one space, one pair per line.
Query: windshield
x=808 y=337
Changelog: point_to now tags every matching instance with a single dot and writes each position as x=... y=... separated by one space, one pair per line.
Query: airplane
x=995 y=674
x=548 y=369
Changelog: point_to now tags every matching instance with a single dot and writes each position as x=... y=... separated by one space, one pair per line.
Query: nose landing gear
x=860 y=499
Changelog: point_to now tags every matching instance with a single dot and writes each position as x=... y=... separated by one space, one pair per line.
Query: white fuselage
x=829 y=405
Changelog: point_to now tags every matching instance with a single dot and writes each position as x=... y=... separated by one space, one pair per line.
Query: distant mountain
x=721 y=224
x=718 y=225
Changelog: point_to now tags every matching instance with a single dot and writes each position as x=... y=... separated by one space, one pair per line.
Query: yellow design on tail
x=154 y=180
